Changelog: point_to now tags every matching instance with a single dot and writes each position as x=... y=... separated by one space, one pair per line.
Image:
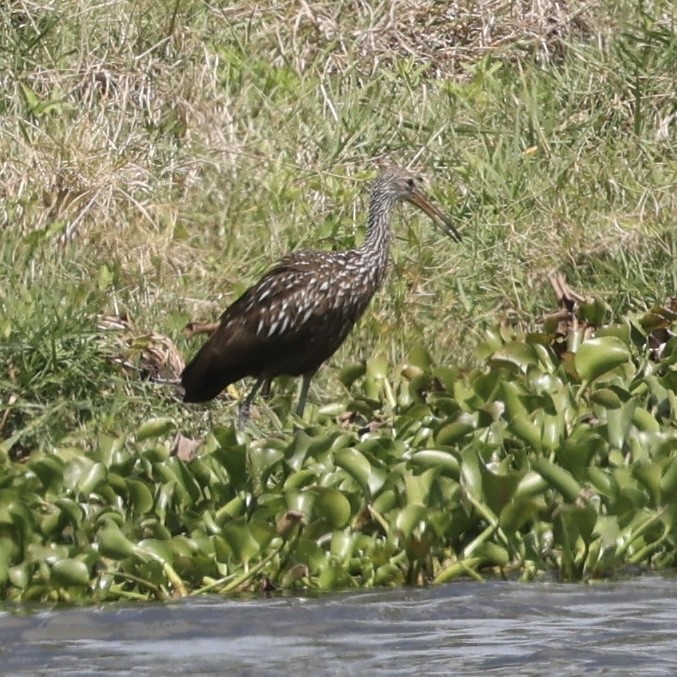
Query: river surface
x=496 y=628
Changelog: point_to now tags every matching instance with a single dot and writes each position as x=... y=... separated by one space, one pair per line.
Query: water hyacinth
x=530 y=465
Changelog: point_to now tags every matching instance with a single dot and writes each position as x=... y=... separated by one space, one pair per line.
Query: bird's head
x=395 y=184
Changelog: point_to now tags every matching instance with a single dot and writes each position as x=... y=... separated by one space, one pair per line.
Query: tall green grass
x=157 y=158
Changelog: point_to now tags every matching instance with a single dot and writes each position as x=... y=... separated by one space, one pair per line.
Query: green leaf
x=498 y=488
x=593 y=312
x=113 y=544
x=105 y=277
x=526 y=431
x=558 y=478
x=420 y=357
x=514 y=407
x=311 y=554
x=606 y=398
x=160 y=551
x=240 y=540
x=333 y=576
x=410 y=518
x=141 y=496
x=50 y=471
x=447 y=376
x=444 y=461
x=644 y=421
x=602 y=480
x=302 y=478
x=418 y=487
x=187 y=489
x=333 y=506
x=72 y=511
x=649 y=475
x=21 y=575
x=156 y=454
x=531 y=484
x=183 y=547
x=342 y=545
x=6 y=553
x=351 y=372
x=52 y=523
x=68 y=572
x=387 y=500
x=598 y=356
x=553 y=428
x=301 y=501
x=263 y=461
x=388 y=574
x=356 y=465
x=577 y=452
x=517 y=513
x=471 y=475
x=491 y=554
x=234 y=460
x=377 y=367
x=516 y=354
x=485 y=388
x=451 y=433
x=580 y=521
x=91 y=479
x=155 y=427
x=669 y=482
x=456 y=569
x=619 y=421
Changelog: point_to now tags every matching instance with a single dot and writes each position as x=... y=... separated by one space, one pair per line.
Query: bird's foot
x=243 y=415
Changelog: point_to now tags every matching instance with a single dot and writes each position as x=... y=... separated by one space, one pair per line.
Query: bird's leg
x=304 y=393
x=243 y=409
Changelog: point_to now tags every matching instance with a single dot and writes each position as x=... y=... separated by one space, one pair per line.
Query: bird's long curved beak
x=439 y=217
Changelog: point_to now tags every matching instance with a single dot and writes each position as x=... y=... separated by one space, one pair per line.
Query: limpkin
x=298 y=314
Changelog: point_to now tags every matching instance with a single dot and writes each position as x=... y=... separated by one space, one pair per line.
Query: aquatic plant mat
x=506 y=407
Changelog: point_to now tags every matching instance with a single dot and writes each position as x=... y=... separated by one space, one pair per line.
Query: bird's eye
x=411 y=183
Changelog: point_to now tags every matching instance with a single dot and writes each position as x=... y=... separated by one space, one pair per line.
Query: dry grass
x=134 y=115
x=444 y=39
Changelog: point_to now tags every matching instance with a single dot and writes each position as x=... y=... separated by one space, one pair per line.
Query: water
x=624 y=628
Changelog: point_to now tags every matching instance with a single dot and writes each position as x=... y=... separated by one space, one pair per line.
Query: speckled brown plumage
x=298 y=314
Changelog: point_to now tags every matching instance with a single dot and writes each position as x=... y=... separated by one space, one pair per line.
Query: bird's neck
x=376 y=244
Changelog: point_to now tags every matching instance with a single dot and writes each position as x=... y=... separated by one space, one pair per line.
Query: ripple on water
x=496 y=628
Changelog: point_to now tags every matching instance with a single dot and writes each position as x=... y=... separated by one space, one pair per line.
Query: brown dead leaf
x=185 y=448
x=288 y=521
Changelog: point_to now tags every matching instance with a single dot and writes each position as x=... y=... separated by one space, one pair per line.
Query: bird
x=298 y=314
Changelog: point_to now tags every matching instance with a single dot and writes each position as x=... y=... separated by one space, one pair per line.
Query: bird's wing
x=282 y=302
x=278 y=314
